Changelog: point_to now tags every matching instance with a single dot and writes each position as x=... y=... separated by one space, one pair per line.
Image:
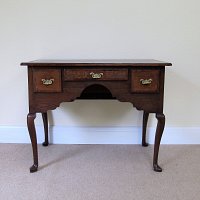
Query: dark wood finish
x=40 y=75
x=118 y=83
x=96 y=63
x=45 y=122
x=144 y=128
x=86 y=74
x=159 y=131
x=139 y=75
x=31 y=128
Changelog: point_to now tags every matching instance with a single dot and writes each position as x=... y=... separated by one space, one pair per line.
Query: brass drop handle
x=146 y=81
x=96 y=75
x=47 y=81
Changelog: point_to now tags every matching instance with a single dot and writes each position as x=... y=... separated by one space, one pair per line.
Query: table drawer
x=95 y=74
x=145 y=81
x=48 y=80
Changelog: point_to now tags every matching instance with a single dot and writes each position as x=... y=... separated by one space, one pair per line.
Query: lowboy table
x=140 y=82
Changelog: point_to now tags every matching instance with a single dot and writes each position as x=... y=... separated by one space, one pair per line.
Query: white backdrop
x=67 y=29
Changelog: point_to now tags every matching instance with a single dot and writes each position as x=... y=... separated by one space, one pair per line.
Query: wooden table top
x=97 y=62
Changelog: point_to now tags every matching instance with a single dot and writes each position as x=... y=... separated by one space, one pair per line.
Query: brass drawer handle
x=146 y=81
x=47 y=81
x=96 y=75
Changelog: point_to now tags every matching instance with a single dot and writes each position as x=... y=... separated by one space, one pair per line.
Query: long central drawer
x=95 y=74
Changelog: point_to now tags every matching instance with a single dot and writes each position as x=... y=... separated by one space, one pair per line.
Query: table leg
x=33 y=137
x=45 y=122
x=159 y=131
x=144 y=128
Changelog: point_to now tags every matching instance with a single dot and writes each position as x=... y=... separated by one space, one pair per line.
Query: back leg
x=45 y=122
x=144 y=129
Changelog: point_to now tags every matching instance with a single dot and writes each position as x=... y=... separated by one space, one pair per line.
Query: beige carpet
x=91 y=172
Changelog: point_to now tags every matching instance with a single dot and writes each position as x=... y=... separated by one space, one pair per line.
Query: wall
x=62 y=29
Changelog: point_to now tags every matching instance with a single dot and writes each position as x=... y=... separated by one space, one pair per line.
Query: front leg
x=45 y=122
x=33 y=137
x=144 y=128
x=159 y=131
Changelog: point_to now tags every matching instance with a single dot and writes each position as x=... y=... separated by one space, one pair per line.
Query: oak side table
x=140 y=82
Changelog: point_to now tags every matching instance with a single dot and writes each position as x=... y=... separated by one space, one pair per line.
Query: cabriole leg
x=31 y=128
x=158 y=136
x=144 y=128
x=45 y=122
